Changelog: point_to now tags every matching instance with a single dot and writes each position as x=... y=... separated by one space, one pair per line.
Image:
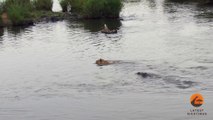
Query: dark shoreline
x=53 y=17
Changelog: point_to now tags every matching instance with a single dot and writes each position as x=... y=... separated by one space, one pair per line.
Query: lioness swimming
x=102 y=62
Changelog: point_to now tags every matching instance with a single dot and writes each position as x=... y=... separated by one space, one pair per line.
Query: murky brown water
x=48 y=73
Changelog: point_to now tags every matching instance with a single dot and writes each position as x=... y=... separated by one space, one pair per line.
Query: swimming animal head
x=102 y=62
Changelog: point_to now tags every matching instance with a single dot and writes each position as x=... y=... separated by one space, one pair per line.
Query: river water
x=47 y=71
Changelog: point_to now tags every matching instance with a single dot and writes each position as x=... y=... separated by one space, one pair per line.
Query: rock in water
x=56 y=6
x=106 y=30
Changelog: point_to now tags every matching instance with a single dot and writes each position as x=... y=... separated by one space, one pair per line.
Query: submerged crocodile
x=148 y=75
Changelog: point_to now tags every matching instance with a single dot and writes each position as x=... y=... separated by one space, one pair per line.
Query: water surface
x=48 y=72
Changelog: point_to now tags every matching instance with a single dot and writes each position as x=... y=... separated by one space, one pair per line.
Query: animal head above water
x=102 y=62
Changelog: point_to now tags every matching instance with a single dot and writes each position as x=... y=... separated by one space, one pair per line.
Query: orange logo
x=197 y=100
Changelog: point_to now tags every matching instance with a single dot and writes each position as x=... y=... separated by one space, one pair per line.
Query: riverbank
x=27 y=12
x=94 y=9
x=38 y=16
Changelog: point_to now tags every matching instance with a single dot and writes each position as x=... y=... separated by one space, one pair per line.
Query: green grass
x=94 y=8
x=17 y=10
x=22 y=11
x=36 y=15
x=1 y=11
x=77 y=5
x=43 y=4
x=112 y=8
x=18 y=13
x=23 y=2
x=1 y=8
x=102 y=8
x=64 y=4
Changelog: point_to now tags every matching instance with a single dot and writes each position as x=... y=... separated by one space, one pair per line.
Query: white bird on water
x=56 y=6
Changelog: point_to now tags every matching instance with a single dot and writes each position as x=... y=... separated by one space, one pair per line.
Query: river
x=47 y=71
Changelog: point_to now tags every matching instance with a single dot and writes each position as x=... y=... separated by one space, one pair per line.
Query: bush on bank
x=17 y=10
x=94 y=8
x=1 y=8
x=18 y=13
x=64 y=4
x=43 y=4
x=22 y=12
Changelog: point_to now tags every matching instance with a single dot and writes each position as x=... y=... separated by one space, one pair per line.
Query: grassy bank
x=18 y=10
x=43 y=4
x=94 y=8
x=25 y=12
